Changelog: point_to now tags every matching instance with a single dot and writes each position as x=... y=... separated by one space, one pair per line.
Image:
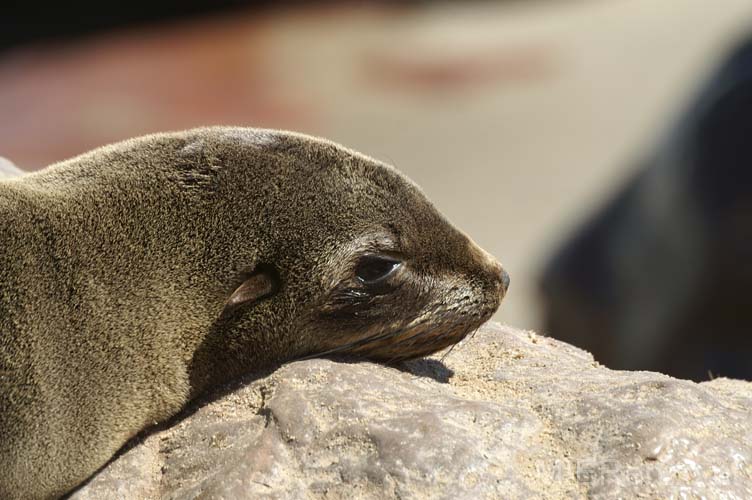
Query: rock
x=506 y=414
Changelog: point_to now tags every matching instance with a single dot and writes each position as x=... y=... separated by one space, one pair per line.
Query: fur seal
x=139 y=275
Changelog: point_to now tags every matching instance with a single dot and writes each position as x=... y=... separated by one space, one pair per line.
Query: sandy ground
x=517 y=118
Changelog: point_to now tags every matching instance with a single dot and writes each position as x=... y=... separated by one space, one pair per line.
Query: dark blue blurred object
x=661 y=278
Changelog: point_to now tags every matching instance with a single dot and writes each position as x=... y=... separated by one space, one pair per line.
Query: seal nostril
x=505 y=280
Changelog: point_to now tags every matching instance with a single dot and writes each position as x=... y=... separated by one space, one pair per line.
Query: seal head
x=361 y=263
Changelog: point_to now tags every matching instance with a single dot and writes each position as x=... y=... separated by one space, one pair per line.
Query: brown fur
x=139 y=275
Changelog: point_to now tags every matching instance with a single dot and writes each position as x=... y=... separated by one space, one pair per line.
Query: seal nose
x=500 y=279
x=504 y=281
x=492 y=268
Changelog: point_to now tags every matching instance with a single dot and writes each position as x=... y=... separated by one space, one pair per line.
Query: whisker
x=448 y=352
x=462 y=337
x=411 y=339
x=421 y=339
x=358 y=343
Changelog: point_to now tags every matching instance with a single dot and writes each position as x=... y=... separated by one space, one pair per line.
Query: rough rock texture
x=507 y=414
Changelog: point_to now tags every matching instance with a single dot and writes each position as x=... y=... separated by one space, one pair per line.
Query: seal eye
x=372 y=269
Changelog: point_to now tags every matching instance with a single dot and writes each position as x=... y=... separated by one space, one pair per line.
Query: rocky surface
x=507 y=414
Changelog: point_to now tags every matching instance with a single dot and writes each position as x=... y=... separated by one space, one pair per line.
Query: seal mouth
x=415 y=340
x=412 y=343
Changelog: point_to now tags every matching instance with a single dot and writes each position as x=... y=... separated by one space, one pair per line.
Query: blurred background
x=524 y=121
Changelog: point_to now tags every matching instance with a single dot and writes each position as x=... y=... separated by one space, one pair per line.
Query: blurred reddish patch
x=458 y=72
x=60 y=101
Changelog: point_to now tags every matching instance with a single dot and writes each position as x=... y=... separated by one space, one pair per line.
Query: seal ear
x=263 y=282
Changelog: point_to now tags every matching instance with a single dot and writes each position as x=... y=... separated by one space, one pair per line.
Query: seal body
x=139 y=275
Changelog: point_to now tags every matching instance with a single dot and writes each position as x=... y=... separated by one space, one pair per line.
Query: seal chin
x=414 y=344
x=421 y=337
